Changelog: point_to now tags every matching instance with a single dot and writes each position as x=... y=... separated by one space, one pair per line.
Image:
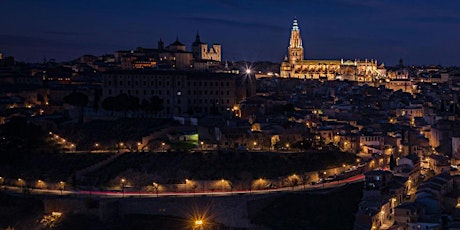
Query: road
x=118 y=194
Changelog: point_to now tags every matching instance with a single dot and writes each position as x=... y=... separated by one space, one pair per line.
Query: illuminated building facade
x=294 y=65
x=182 y=92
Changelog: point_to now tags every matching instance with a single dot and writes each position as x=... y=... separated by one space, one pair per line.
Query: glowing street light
x=40 y=184
x=61 y=186
x=156 y=186
x=123 y=186
x=198 y=224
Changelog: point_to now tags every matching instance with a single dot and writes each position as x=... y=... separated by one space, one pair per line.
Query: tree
x=155 y=105
x=79 y=100
x=121 y=102
x=110 y=103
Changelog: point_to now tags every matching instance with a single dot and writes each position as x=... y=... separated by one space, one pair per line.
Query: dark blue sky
x=419 y=31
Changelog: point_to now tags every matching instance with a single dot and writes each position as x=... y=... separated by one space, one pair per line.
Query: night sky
x=419 y=31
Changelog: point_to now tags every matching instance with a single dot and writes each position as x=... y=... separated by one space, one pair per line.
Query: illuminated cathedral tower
x=295 y=44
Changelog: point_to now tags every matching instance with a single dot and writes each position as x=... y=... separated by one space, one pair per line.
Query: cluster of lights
x=62 y=141
x=40 y=184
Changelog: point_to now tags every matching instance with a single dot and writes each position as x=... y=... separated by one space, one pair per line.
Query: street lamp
x=40 y=184
x=123 y=186
x=156 y=186
x=20 y=182
x=61 y=186
x=198 y=224
x=222 y=184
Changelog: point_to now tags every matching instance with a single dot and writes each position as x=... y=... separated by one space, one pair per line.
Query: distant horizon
x=420 y=32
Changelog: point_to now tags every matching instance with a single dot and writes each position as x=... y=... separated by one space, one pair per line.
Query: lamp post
x=324 y=178
x=123 y=187
x=21 y=184
x=61 y=186
x=1 y=182
x=222 y=184
x=198 y=224
x=156 y=186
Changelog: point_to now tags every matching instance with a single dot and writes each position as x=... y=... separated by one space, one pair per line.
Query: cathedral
x=294 y=65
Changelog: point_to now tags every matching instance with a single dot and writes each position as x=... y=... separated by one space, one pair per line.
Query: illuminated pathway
x=119 y=194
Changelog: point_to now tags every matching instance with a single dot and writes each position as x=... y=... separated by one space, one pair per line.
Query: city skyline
x=256 y=31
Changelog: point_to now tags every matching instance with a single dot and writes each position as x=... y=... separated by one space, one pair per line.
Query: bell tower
x=295 y=50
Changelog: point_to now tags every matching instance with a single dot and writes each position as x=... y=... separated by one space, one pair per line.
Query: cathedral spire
x=295 y=25
x=295 y=50
x=197 y=38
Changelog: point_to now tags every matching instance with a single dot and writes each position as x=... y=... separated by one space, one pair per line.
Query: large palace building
x=294 y=65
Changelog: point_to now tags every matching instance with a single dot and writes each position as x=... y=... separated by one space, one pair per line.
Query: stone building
x=294 y=65
x=191 y=93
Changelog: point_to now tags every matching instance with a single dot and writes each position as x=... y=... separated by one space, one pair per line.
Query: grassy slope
x=311 y=211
